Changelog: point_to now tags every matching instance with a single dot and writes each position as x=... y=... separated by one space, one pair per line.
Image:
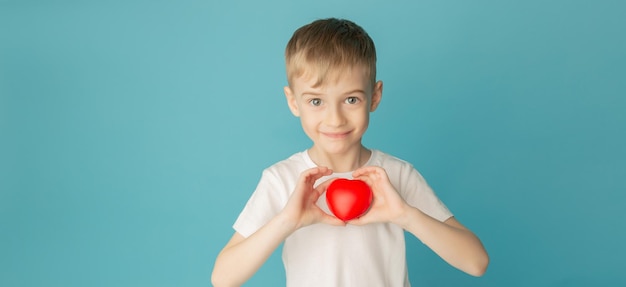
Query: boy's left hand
x=388 y=205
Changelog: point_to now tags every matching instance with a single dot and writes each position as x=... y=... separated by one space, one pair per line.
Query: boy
x=331 y=71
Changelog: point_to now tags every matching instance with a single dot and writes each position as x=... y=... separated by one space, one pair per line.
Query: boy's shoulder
x=294 y=164
x=385 y=160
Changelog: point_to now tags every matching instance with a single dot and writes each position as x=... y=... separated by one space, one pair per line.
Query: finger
x=309 y=176
x=309 y=172
x=366 y=179
x=318 y=172
x=360 y=171
x=321 y=188
x=366 y=170
x=359 y=221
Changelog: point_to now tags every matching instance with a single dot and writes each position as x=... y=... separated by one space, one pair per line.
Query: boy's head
x=331 y=68
x=327 y=48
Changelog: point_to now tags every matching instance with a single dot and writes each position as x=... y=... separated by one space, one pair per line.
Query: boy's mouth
x=336 y=135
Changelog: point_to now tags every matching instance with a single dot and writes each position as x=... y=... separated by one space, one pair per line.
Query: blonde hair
x=329 y=46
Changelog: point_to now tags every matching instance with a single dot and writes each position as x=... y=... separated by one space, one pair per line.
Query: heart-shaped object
x=348 y=198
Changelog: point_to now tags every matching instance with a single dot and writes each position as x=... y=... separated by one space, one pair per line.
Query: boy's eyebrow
x=311 y=93
x=355 y=91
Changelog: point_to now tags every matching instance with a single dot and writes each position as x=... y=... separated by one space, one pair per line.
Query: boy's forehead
x=312 y=77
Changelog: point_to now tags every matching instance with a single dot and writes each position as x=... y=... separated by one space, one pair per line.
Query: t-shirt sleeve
x=267 y=200
x=418 y=193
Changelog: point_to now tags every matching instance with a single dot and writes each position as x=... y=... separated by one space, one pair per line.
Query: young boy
x=331 y=71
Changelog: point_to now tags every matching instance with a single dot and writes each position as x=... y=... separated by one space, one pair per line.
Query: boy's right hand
x=302 y=206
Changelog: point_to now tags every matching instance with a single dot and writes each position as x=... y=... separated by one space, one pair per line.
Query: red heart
x=348 y=199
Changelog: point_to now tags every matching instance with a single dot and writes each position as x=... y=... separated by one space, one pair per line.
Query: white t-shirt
x=325 y=255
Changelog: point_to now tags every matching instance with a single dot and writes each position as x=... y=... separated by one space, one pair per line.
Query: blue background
x=133 y=132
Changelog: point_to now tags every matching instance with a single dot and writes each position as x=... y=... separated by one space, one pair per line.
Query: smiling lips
x=339 y=135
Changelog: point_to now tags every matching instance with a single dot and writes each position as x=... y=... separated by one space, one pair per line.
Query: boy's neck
x=344 y=162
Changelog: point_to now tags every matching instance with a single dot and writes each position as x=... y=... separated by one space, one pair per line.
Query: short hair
x=327 y=45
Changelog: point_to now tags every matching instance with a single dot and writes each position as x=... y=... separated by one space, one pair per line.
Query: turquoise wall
x=132 y=132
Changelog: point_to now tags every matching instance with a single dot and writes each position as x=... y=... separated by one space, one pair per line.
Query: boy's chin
x=335 y=150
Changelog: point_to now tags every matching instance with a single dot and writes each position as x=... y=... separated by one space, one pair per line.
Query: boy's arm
x=453 y=242
x=242 y=257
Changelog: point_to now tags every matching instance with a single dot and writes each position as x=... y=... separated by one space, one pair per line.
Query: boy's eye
x=352 y=100
x=315 y=102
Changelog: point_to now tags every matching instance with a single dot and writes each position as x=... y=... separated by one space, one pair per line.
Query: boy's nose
x=335 y=117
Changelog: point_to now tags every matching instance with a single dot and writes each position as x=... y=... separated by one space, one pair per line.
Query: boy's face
x=335 y=114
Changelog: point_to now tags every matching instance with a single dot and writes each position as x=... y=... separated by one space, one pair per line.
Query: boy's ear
x=291 y=101
x=377 y=95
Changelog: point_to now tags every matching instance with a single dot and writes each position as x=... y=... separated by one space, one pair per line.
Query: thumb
x=363 y=220
x=359 y=221
x=321 y=188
